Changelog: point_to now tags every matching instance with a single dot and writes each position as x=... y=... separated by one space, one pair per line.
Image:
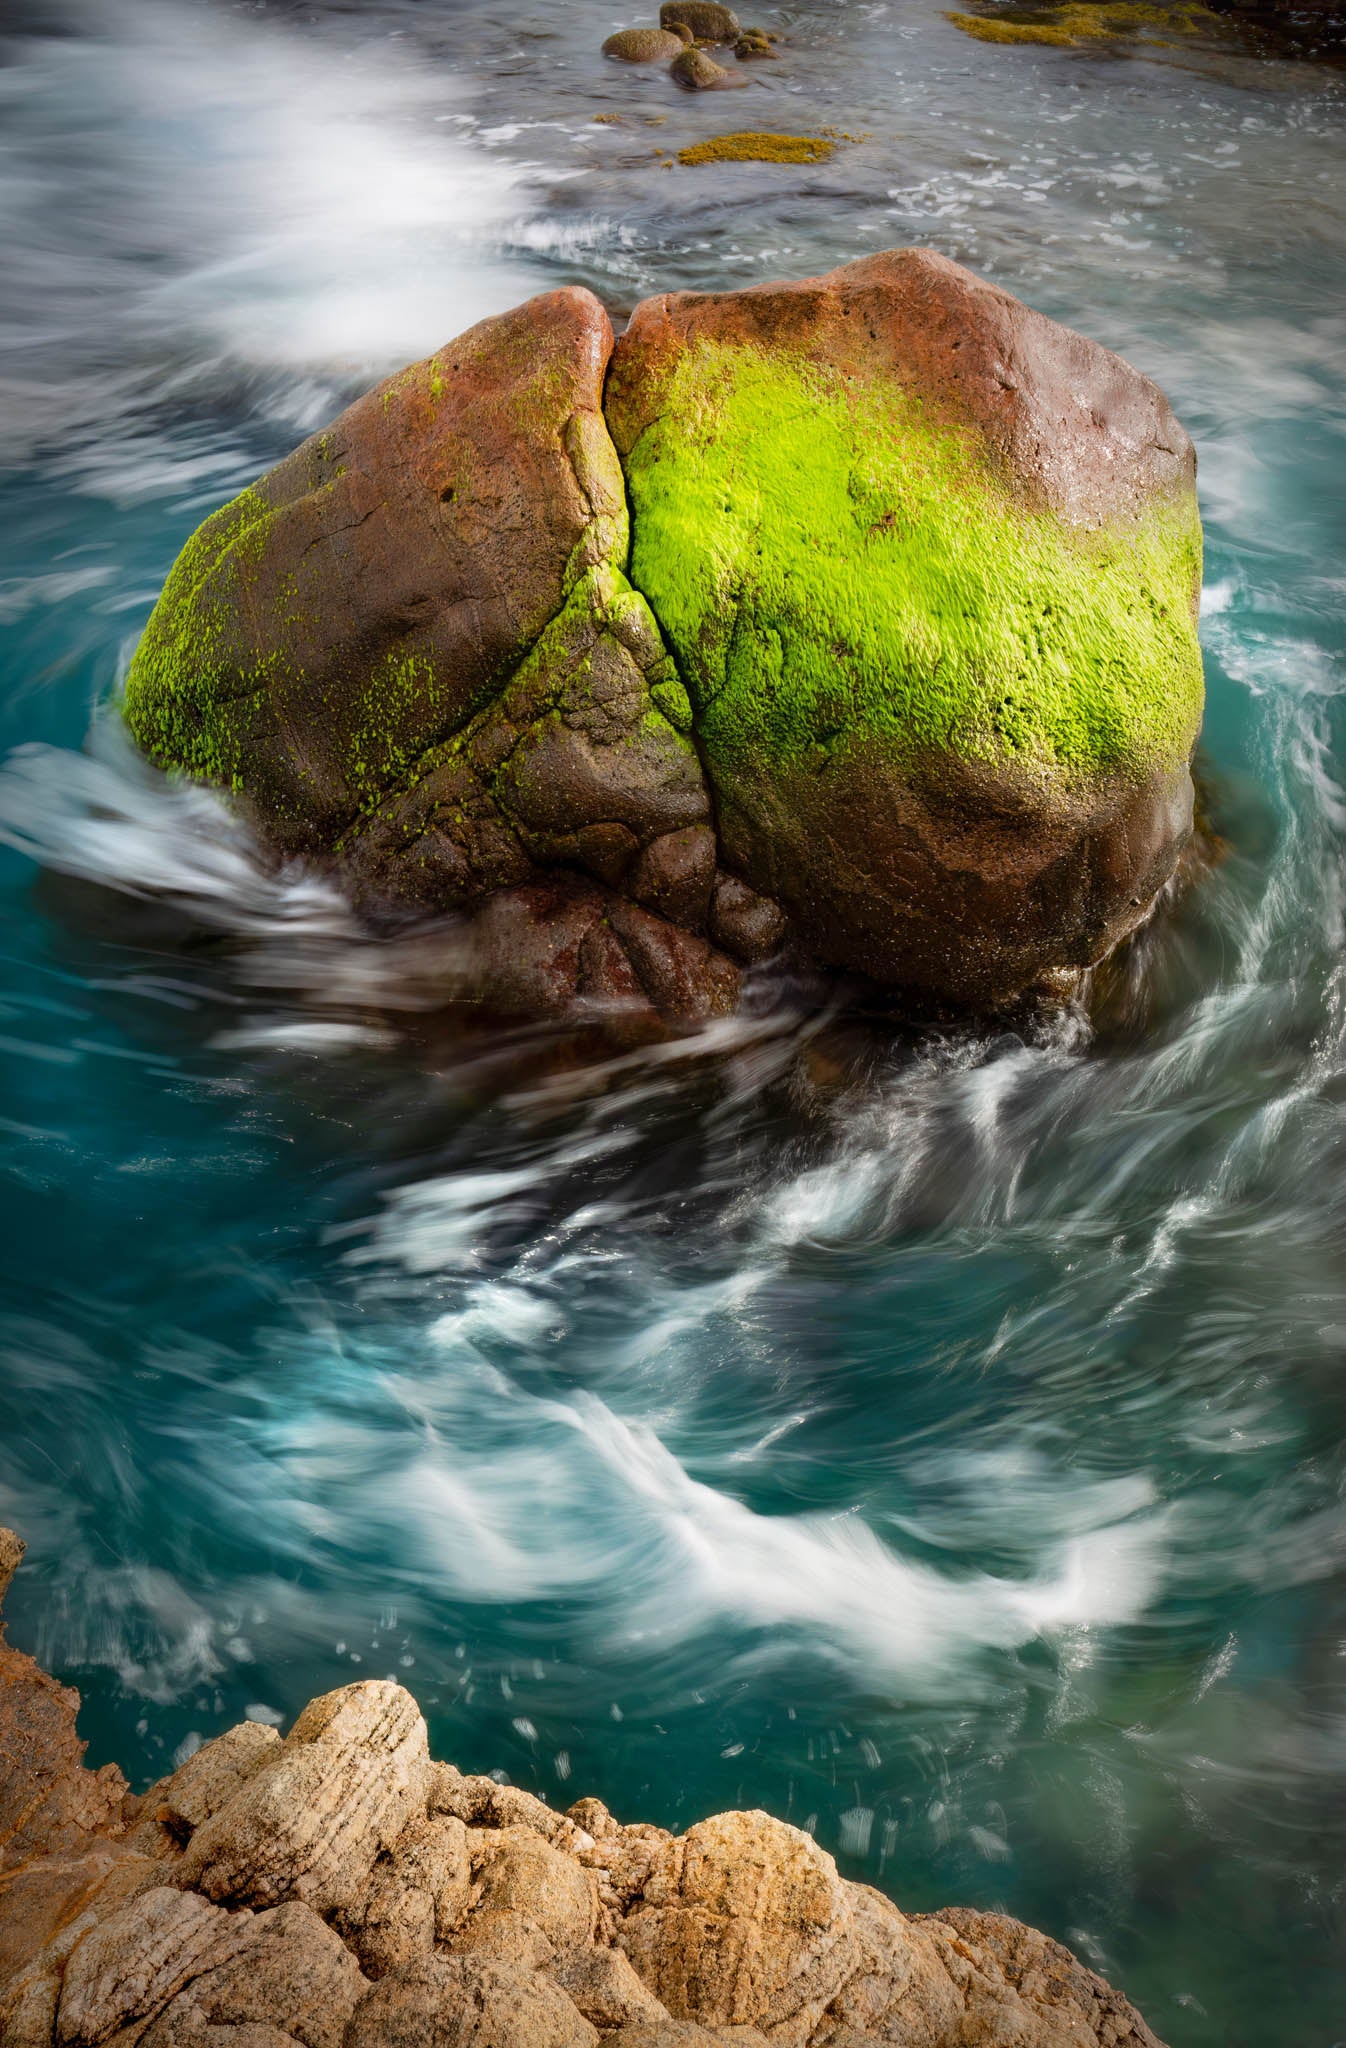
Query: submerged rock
x=337 y=1890
x=753 y=43
x=867 y=602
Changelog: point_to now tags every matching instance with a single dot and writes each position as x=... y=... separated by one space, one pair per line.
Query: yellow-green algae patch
x=828 y=561
x=183 y=701
x=755 y=147
x=1079 y=21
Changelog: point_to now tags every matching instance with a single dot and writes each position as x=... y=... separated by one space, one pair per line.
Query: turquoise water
x=937 y=1443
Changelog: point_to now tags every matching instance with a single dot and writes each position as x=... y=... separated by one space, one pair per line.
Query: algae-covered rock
x=928 y=563
x=853 y=618
x=410 y=649
x=759 y=146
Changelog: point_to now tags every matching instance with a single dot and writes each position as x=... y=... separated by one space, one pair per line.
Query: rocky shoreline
x=338 y=1888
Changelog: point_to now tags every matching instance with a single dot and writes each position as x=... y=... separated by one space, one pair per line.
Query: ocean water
x=937 y=1442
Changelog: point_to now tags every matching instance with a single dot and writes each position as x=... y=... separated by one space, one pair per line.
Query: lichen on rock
x=1065 y=24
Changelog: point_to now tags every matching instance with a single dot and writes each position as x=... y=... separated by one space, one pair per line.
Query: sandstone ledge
x=339 y=1889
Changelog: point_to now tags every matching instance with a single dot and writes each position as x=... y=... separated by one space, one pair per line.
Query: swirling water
x=941 y=1446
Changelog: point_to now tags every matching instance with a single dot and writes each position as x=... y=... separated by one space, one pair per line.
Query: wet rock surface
x=337 y=1889
x=867 y=602
x=644 y=45
x=699 y=72
x=707 y=21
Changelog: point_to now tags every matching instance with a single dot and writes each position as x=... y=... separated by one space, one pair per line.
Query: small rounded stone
x=707 y=20
x=700 y=73
x=643 y=45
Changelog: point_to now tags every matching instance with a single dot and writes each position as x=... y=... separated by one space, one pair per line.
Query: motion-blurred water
x=939 y=1444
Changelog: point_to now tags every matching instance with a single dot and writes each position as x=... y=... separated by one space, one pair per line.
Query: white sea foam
x=489 y=1493
x=106 y=816
x=194 y=191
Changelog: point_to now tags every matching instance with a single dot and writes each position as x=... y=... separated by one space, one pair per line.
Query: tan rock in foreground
x=338 y=1890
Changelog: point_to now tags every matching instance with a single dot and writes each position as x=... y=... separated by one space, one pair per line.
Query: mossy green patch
x=386 y=705
x=183 y=699
x=752 y=146
x=1085 y=21
x=830 y=562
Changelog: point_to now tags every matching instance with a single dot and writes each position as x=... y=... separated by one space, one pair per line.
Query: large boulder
x=928 y=564
x=891 y=661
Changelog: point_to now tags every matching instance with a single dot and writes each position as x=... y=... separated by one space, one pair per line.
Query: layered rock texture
x=338 y=1889
x=854 y=617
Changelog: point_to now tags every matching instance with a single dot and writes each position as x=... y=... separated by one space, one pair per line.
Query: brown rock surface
x=481 y=484
x=292 y=1973
x=53 y=1853
x=575 y=763
x=467 y=2002
x=489 y=1921
x=644 y=45
x=700 y=73
x=128 y=1966
x=412 y=649
x=706 y=19
x=310 y=1822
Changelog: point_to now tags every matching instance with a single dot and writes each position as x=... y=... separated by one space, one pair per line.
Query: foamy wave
x=107 y=816
x=487 y=1493
x=237 y=196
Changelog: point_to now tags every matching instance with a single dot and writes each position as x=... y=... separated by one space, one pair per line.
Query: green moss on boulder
x=928 y=563
x=834 y=558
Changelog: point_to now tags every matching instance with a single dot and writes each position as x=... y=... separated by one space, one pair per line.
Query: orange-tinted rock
x=53 y=1854
x=488 y=1919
